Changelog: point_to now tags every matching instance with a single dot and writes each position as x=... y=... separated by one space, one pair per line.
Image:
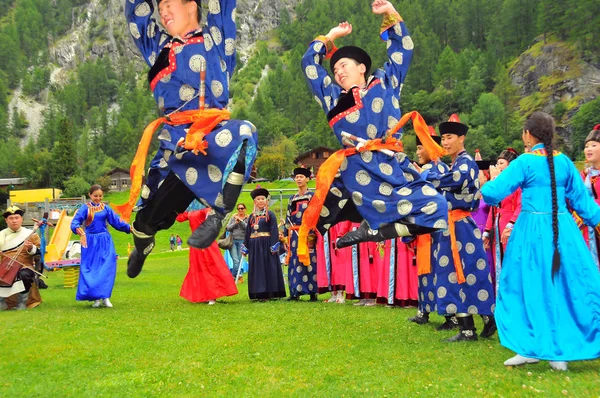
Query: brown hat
x=594 y=135
x=508 y=154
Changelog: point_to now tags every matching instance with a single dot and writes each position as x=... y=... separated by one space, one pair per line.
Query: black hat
x=13 y=210
x=508 y=154
x=352 y=52
x=301 y=170
x=483 y=164
x=453 y=126
x=259 y=192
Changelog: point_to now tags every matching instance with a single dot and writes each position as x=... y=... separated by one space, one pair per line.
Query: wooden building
x=120 y=179
x=314 y=158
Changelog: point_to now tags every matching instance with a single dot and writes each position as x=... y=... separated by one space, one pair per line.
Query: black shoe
x=451 y=323
x=207 y=232
x=361 y=234
x=467 y=330
x=421 y=318
x=313 y=298
x=292 y=298
x=489 y=326
x=143 y=247
x=463 y=335
x=41 y=284
x=366 y=234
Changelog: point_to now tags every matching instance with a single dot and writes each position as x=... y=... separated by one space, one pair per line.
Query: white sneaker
x=559 y=365
x=333 y=298
x=106 y=302
x=96 y=304
x=212 y=302
x=519 y=360
x=341 y=298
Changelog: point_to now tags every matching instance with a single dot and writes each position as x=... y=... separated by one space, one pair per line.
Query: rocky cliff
x=99 y=30
x=553 y=77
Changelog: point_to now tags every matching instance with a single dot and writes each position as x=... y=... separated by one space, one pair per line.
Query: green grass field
x=154 y=343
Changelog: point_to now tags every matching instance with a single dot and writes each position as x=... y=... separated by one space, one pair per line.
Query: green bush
x=76 y=186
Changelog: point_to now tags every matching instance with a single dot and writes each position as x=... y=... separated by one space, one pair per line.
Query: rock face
x=552 y=77
x=99 y=30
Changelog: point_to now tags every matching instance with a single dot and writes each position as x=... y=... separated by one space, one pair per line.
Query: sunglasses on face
x=241 y=208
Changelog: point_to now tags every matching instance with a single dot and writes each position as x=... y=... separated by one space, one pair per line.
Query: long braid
x=541 y=125
x=550 y=157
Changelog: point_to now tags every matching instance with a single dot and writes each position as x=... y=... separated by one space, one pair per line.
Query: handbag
x=226 y=243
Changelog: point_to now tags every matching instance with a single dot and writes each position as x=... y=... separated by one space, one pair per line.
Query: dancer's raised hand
x=343 y=29
x=382 y=7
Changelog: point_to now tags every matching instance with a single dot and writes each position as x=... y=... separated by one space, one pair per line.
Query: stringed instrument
x=9 y=265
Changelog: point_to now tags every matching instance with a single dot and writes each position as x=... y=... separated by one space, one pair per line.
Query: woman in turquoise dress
x=548 y=303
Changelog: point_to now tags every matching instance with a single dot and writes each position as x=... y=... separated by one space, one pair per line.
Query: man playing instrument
x=19 y=245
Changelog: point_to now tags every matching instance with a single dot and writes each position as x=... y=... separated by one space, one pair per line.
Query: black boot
x=143 y=247
x=313 y=297
x=467 y=330
x=451 y=323
x=421 y=318
x=41 y=284
x=365 y=234
x=207 y=232
x=292 y=298
x=489 y=326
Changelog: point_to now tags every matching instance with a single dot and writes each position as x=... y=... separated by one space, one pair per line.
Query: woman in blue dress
x=548 y=303
x=98 y=256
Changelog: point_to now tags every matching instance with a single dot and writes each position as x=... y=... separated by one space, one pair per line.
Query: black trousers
x=161 y=210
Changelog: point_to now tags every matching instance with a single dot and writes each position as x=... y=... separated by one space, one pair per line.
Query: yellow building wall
x=34 y=195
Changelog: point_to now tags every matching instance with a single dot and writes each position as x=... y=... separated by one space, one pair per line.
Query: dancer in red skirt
x=208 y=277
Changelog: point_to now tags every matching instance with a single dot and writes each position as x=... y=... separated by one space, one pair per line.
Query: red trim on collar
x=357 y=100
x=172 y=60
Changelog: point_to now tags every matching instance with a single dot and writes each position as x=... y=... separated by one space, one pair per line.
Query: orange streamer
x=422 y=131
x=203 y=122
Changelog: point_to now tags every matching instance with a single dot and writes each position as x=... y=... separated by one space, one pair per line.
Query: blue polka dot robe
x=302 y=279
x=175 y=80
x=460 y=187
x=380 y=188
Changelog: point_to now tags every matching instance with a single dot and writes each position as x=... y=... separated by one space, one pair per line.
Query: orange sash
x=203 y=122
x=329 y=169
x=454 y=216
x=423 y=254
